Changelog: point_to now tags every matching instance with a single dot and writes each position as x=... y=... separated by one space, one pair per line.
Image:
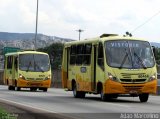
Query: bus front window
x=129 y=54
x=34 y=62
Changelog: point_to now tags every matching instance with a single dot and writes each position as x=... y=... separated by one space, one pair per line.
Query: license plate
x=34 y=84
x=133 y=91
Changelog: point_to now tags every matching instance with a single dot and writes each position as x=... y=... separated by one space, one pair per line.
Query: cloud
x=63 y=17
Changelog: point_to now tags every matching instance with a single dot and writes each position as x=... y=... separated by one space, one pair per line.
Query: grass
x=5 y=115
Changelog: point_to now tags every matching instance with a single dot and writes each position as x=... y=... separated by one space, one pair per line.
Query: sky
x=63 y=17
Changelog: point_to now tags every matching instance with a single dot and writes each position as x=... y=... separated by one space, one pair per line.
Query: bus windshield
x=34 y=62
x=132 y=54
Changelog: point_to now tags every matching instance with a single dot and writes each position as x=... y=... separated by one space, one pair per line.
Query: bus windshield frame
x=34 y=62
x=129 y=54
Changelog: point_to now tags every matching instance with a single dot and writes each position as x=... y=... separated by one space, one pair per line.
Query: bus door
x=14 y=69
x=93 y=67
x=71 y=63
x=65 y=68
x=86 y=67
x=100 y=64
x=9 y=69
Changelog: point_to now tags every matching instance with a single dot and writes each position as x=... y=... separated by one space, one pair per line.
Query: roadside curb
x=37 y=113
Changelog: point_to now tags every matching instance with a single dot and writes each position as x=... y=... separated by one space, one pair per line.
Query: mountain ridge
x=26 y=40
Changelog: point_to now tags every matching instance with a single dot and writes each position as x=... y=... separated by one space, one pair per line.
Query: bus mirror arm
x=155 y=52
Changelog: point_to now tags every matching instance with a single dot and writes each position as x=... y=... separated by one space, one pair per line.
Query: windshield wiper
x=28 y=66
x=124 y=59
x=141 y=61
x=38 y=67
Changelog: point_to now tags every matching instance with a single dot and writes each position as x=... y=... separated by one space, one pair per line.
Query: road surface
x=63 y=103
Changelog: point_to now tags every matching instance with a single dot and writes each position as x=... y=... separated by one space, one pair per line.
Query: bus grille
x=34 y=78
x=128 y=75
x=133 y=80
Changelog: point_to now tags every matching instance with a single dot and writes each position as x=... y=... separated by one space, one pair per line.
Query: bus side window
x=9 y=62
x=16 y=62
x=73 y=55
x=100 y=56
x=87 y=54
x=79 y=58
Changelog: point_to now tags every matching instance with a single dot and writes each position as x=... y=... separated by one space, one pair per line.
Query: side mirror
x=155 y=51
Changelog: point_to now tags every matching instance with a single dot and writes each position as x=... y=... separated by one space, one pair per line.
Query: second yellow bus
x=109 y=65
x=27 y=69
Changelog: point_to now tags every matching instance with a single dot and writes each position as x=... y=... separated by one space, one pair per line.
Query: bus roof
x=104 y=37
x=25 y=52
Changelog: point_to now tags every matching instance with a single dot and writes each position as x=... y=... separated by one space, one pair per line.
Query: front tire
x=11 y=88
x=78 y=94
x=45 y=89
x=144 y=97
x=103 y=96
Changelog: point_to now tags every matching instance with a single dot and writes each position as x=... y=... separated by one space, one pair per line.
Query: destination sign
x=122 y=44
x=119 y=44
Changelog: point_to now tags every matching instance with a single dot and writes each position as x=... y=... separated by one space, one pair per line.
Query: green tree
x=55 y=52
x=158 y=56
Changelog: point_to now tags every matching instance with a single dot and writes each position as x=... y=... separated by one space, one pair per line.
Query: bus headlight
x=111 y=77
x=21 y=76
x=152 y=78
x=48 y=77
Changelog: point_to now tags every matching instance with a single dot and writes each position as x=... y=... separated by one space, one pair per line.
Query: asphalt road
x=63 y=103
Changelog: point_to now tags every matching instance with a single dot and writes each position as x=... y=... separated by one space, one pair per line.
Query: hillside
x=155 y=44
x=26 y=40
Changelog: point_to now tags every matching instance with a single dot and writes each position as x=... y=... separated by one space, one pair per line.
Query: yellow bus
x=27 y=69
x=109 y=65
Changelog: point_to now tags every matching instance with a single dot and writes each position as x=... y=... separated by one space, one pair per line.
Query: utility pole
x=80 y=30
x=35 y=44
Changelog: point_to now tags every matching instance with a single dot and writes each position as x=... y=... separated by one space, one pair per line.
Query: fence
x=1 y=77
x=56 y=79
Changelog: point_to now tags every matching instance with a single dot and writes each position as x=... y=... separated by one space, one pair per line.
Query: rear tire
x=82 y=94
x=144 y=97
x=78 y=94
x=13 y=88
x=9 y=87
x=114 y=96
x=18 y=88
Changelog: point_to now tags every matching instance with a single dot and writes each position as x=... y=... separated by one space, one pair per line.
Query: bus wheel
x=115 y=96
x=13 y=88
x=9 y=87
x=18 y=88
x=103 y=96
x=45 y=89
x=76 y=93
x=82 y=94
x=144 y=97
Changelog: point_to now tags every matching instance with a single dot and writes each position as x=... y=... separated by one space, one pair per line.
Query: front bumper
x=112 y=87
x=26 y=84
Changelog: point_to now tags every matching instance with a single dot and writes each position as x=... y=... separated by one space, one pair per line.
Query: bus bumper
x=112 y=87
x=39 y=84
